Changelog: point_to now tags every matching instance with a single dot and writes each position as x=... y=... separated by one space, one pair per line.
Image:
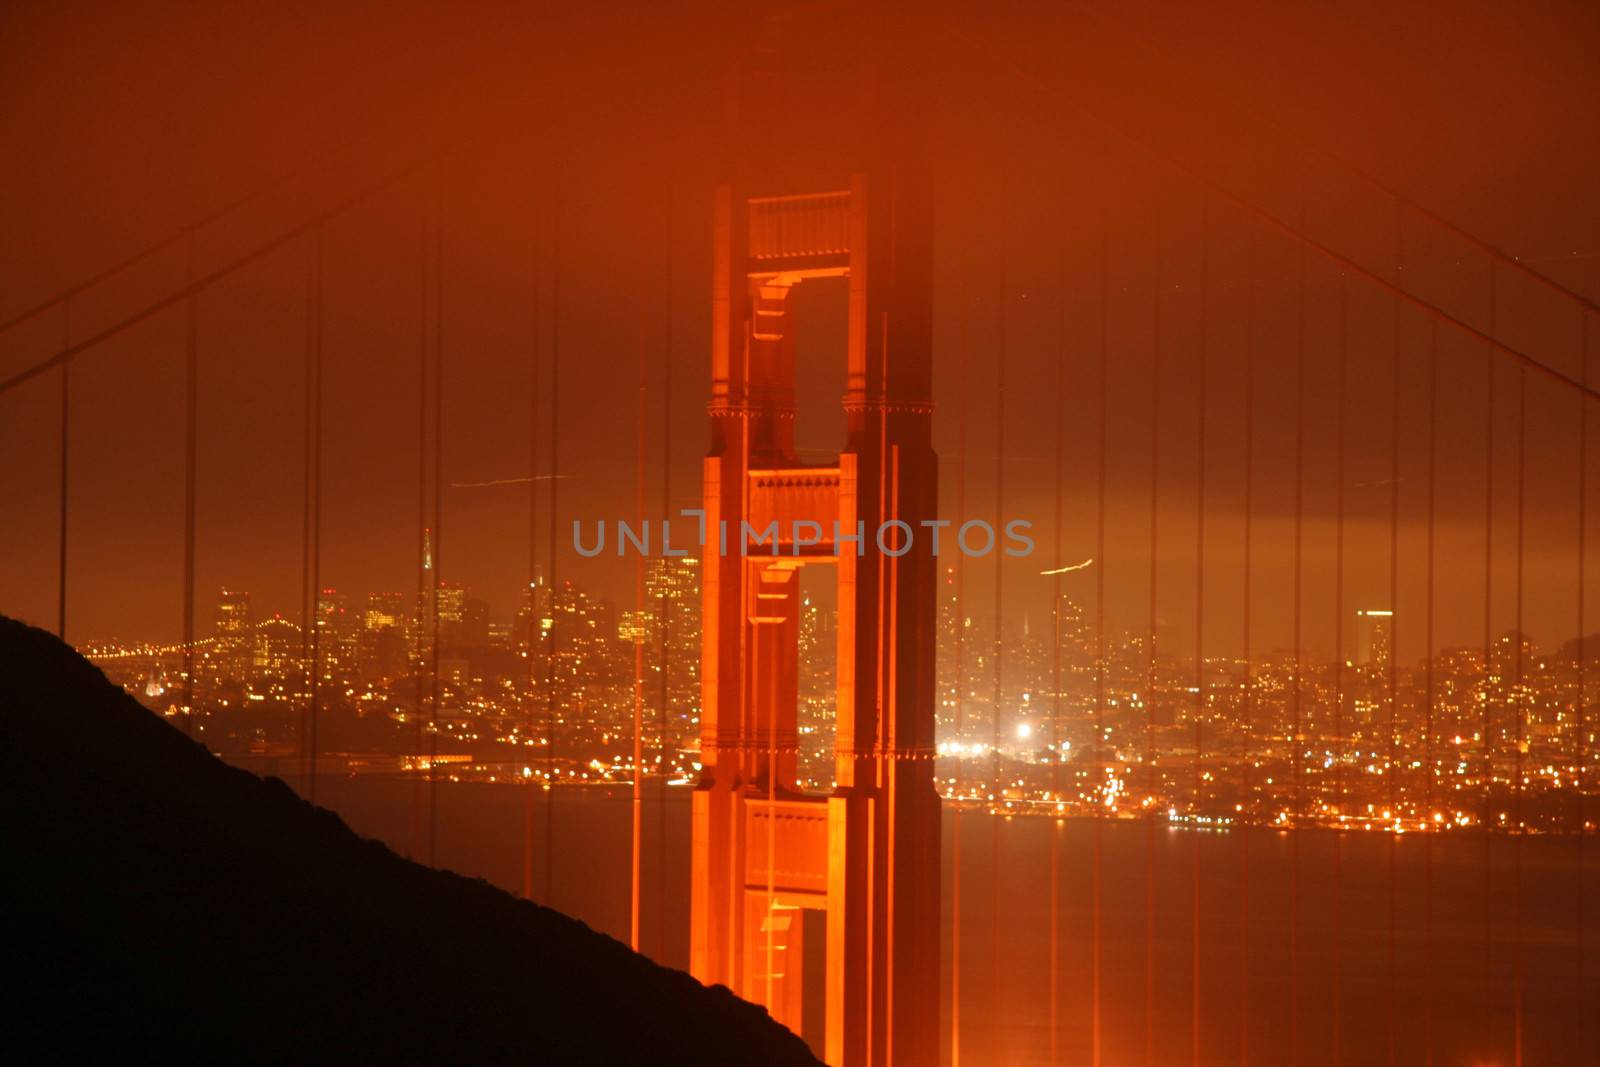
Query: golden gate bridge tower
x=823 y=908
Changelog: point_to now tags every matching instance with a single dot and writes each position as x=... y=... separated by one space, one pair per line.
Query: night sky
x=591 y=141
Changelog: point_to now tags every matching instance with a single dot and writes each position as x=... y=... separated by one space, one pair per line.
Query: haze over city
x=332 y=340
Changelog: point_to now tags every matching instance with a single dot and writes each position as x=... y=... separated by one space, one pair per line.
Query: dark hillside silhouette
x=165 y=906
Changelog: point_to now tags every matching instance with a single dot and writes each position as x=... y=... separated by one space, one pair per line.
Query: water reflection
x=1302 y=977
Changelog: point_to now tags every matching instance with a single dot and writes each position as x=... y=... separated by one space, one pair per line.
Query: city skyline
x=1353 y=767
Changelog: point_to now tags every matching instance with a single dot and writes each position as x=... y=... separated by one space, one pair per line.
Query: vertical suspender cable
x=534 y=630
x=996 y=784
x=664 y=608
x=769 y=910
x=307 y=600
x=1427 y=716
x=1199 y=616
x=550 y=703
x=1392 y=763
x=1151 y=785
x=1247 y=711
x=884 y=626
x=1487 y=725
x=960 y=674
x=1294 y=696
x=316 y=512
x=66 y=422
x=424 y=560
x=438 y=516
x=1338 y=671
x=308 y=604
x=1055 y=663
x=190 y=374
x=1582 y=672
x=1517 y=708
x=636 y=854
x=308 y=597
x=1100 y=784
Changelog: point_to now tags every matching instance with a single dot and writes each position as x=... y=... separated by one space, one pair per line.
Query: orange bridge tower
x=824 y=908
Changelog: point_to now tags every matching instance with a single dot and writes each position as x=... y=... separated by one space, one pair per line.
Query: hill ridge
x=168 y=901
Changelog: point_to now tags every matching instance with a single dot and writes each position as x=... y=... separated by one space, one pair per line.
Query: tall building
x=442 y=611
x=533 y=619
x=1073 y=632
x=383 y=645
x=278 y=645
x=672 y=645
x=964 y=702
x=234 y=635
x=338 y=636
x=950 y=621
x=452 y=607
x=384 y=610
x=582 y=637
x=818 y=690
x=1375 y=639
x=818 y=640
x=422 y=624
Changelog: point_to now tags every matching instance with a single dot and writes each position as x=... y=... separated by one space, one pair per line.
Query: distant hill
x=165 y=906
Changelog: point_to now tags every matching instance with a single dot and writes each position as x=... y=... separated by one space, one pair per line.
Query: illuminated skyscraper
x=950 y=621
x=234 y=633
x=1375 y=639
x=533 y=623
x=383 y=652
x=422 y=623
x=1073 y=633
x=817 y=687
x=582 y=637
x=672 y=646
x=452 y=601
x=277 y=650
x=337 y=636
x=383 y=611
